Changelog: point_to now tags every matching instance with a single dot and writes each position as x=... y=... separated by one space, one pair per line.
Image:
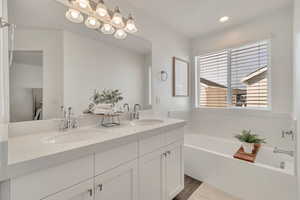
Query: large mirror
x=56 y=63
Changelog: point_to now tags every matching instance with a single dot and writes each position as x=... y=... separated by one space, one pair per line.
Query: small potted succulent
x=249 y=140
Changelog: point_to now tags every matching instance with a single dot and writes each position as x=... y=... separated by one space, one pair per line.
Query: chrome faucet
x=68 y=121
x=288 y=133
x=281 y=151
x=136 y=113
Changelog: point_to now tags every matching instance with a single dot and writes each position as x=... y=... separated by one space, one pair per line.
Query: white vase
x=248 y=147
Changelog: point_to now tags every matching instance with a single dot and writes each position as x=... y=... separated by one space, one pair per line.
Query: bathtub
x=210 y=159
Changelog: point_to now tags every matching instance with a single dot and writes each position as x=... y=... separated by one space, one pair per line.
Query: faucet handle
x=126 y=106
x=135 y=107
x=75 y=123
x=289 y=133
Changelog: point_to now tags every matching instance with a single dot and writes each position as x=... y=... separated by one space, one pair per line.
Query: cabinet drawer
x=40 y=184
x=151 y=143
x=82 y=191
x=174 y=135
x=112 y=158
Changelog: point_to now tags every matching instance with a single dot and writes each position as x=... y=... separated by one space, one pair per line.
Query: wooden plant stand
x=249 y=157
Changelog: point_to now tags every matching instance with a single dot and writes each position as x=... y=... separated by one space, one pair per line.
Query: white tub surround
x=210 y=159
x=128 y=162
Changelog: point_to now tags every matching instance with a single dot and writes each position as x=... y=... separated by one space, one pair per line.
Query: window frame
x=229 y=93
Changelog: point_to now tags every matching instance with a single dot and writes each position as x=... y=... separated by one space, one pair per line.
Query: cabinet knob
x=90 y=191
x=100 y=187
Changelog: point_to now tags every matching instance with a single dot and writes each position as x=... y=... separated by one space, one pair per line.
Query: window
x=235 y=77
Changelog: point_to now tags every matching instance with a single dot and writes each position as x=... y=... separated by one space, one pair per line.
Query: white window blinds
x=213 y=79
x=235 y=77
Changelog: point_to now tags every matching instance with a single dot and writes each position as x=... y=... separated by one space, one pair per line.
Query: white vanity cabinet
x=174 y=170
x=143 y=168
x=161 y=172
x=151 y=176
x=119 y=183
x=41 y=184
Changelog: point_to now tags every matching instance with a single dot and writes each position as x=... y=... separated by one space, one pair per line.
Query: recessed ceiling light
x=224 y=19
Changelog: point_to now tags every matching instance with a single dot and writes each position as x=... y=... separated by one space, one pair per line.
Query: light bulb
x=83 y=3
x=130 y=25
x=107 y=29
x=120 y=34
x=117 y=19
x=74 y=16
x=92 y=22
x=101 y=9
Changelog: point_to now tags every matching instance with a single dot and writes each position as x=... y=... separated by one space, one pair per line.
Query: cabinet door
x=174 y=170
x=82 y=191
x=119 y=183
x=151 y=176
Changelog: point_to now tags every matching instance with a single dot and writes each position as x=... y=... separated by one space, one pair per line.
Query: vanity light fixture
x=74 y=16
x=101 y=9
x=117 y=19
x=120 y=34
x=107 y=29
x=84 y=4
x=99 y=17
x=130 y=25
x=92 y=22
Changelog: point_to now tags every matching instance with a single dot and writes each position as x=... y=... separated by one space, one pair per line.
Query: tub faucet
x=281 y=151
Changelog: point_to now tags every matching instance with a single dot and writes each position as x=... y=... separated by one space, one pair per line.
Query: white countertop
x=31 y=152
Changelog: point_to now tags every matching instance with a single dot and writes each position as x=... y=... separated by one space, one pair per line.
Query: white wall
x=277 y=27
x=297 y=81
x=51 y=43
x=166 y=43
x=22 y=79
x=90 y=65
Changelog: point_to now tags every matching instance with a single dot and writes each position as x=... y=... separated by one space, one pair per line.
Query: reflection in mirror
x=26 y=86
x=58 y=63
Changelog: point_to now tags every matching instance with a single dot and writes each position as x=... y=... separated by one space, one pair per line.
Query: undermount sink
x=146 y=122
x=70 y=137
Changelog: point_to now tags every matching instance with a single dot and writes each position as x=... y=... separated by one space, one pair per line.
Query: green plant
x=247 y=137
x=107 y=96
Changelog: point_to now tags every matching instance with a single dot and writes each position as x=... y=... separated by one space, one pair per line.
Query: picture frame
x=181 y=82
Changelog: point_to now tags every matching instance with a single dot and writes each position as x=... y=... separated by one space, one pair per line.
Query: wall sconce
x=163 y=75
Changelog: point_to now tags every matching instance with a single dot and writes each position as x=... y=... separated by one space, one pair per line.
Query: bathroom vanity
x=135 y=161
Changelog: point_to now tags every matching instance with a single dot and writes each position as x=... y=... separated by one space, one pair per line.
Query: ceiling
x=198 y=17
x=189 y=17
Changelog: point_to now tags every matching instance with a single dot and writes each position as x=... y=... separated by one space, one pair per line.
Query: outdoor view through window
x=235 y=77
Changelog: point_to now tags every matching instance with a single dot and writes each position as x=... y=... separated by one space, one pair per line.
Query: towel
x=102 y=109
x=104 y=106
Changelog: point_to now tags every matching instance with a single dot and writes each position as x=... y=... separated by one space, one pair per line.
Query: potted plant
x=249 y=140
x=109 y=97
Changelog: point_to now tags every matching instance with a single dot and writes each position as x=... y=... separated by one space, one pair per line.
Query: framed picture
x=180 y=77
